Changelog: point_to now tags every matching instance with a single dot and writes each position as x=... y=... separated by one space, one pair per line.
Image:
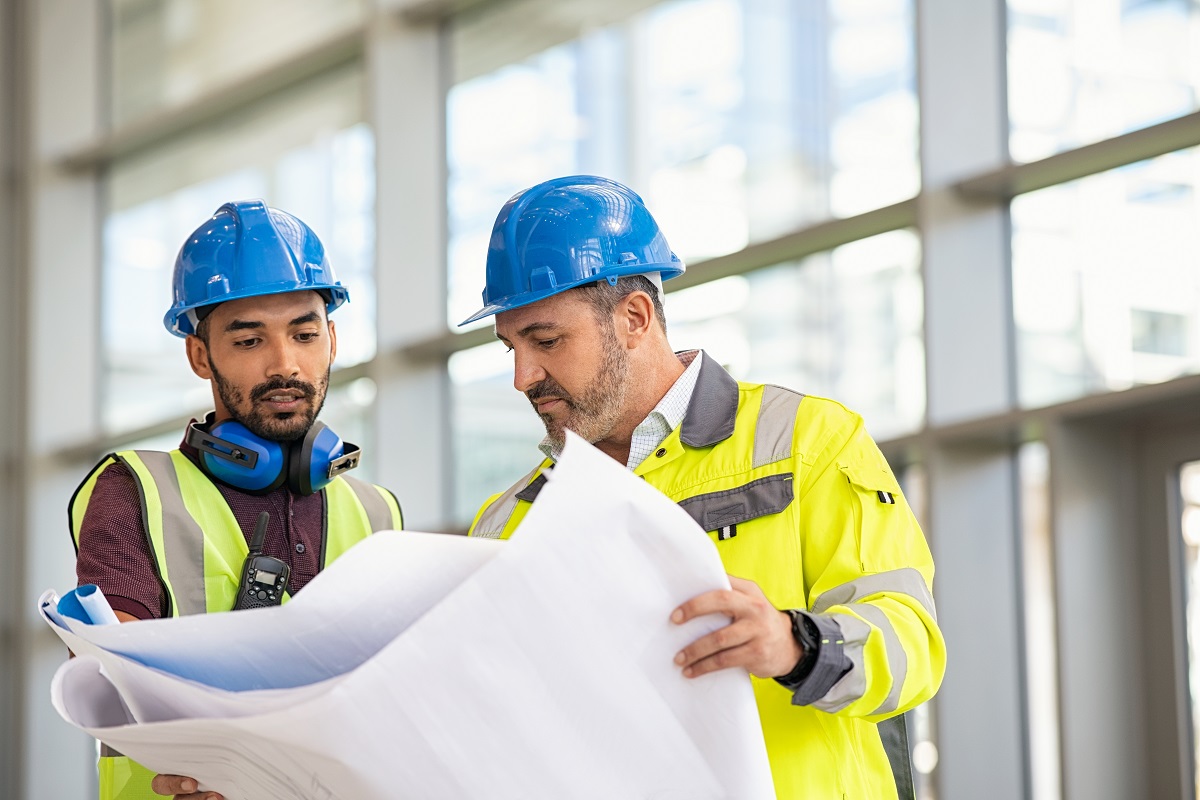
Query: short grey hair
x=604 y=296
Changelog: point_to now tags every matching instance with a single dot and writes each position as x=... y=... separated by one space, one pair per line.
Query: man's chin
x=280 y=430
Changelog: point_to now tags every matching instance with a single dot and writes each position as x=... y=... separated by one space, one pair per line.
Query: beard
x=285 y=427
x=599 y=406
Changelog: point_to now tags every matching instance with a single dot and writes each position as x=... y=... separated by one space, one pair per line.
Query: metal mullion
x=1011 y=180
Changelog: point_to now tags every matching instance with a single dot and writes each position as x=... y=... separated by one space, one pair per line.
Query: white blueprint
x=433 y=666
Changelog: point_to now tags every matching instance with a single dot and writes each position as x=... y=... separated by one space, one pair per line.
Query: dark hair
x=202 y=324
x=604 y=296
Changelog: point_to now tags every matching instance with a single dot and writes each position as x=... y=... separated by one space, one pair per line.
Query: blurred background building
x=975 y=222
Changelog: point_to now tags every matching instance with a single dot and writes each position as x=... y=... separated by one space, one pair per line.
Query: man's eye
x=307 y=337
x=245 y=342
x=548 y=342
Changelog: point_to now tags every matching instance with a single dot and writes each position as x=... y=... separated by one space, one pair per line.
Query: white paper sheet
x=429 y=666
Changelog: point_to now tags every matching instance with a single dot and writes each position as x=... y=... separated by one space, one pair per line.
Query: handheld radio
x=264 y=578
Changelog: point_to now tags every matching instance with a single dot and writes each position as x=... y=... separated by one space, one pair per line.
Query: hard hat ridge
x=247 y=249
x=568 y=232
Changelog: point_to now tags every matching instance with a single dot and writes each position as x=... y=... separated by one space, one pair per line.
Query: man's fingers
x=744 y=586
x=181 y=787
x=718 y=601
x=740 y=656
x=173 y=784
x=723 y=639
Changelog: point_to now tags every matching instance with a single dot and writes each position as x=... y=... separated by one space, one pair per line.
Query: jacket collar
x=713 y=407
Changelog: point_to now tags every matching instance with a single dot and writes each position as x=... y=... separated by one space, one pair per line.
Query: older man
x=831 y=608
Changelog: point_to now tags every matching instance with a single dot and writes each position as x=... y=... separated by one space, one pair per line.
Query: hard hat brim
x=175 y=319
x=665 y=271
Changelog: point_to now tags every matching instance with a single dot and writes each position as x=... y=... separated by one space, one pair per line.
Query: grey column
x=13 y=408
x=61 y=364
x=973 y=524
x=406 y=109
x=1093 y=483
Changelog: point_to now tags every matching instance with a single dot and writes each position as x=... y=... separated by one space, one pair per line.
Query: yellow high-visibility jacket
x=198 y=550
x=798 y=498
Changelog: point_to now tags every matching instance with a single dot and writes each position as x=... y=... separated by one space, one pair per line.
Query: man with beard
x=167 y=534
x=830 y=608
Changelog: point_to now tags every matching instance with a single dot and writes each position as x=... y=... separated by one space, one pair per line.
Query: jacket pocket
x=873 y=479
x=758 y=498
x=883 y=519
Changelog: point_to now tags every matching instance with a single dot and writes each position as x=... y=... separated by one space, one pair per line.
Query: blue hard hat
x=566 y=233
x=246 y=250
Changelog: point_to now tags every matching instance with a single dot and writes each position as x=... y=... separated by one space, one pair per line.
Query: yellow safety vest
x=199 y=549
x=798 y=498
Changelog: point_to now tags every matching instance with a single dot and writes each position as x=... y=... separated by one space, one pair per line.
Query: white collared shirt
x=659 y=423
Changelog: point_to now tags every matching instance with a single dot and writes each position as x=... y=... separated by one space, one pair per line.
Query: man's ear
x=635 y=317
x=197 y=353
x=332 y=342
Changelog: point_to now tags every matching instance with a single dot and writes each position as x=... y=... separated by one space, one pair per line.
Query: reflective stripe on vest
x=180 y=556
x=776 y=425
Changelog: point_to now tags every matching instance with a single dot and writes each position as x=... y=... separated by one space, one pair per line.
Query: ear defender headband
x=230 y=453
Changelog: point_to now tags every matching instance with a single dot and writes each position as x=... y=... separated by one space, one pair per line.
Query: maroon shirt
x=115 y=555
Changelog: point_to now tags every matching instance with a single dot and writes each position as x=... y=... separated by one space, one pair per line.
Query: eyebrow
x=311 y=316
x=528 y=329
x=537 y=326
x=247 y=324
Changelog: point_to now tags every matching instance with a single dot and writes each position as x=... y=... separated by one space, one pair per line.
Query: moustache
x=548 y=388
x=274 y=385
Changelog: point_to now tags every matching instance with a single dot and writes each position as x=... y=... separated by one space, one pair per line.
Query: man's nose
x=527 y=372
x=283 y=362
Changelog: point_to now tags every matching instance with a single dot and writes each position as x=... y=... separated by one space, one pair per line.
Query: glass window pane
x=167 y=52
x=1106 y=283
x=1079 y=72
x=308 y=153
x=736 y=120
x=496 y=431
x=347 y=412
x=846 y=324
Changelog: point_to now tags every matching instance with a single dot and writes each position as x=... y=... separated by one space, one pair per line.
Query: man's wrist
x=807 y=637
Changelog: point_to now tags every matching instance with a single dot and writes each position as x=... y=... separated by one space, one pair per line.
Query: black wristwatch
x=808 y=637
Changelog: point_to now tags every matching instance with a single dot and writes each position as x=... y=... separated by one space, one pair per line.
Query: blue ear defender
x=233 y=455
x=318 y=458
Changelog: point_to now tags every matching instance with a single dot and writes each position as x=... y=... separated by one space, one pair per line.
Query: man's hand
x=181 y=788
x=758 y=637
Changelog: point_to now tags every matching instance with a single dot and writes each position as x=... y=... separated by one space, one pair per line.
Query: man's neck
x=653 y=382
